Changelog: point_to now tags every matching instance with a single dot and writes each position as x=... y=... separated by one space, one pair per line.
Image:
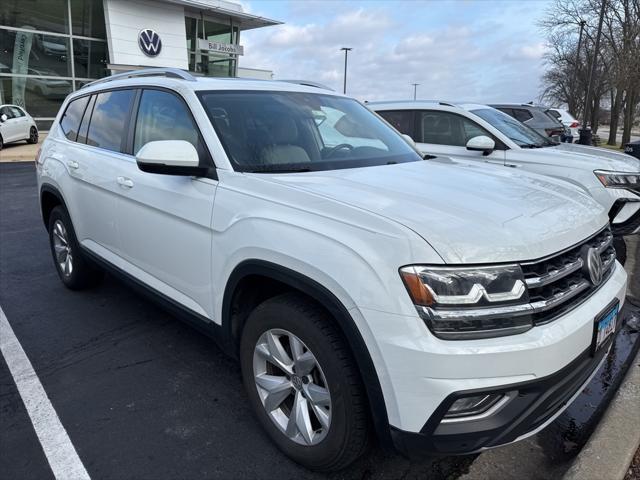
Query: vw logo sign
x=594 y=266
x=149 y=42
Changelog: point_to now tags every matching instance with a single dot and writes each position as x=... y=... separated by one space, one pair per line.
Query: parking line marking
x=60 y=452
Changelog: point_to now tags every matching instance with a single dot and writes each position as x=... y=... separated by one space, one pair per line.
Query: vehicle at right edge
x=481 y=133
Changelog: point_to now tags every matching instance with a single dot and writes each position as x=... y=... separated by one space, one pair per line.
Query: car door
x=10 y=128
x=21 y=122
x=446 y=134
x=164 y=221
x=93 y=156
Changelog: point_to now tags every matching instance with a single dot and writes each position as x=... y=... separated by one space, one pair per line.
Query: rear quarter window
x=70 y=122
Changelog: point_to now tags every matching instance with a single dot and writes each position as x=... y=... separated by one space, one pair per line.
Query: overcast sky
x=475 y=50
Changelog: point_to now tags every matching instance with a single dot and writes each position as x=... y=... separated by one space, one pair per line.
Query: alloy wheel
x=292 y=387
x=33 y=135
x=62 y=248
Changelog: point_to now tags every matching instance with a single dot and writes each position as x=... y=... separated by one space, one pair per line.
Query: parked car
x=48 y=87
x=535 y=117
x=633 y=149
x=568 y=120
x=448 y=309
x=484 y=134
x=16 y=125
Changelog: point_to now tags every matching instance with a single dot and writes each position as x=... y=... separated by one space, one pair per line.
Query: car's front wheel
x=33 y=135
x=75 y=270
x=303 y=384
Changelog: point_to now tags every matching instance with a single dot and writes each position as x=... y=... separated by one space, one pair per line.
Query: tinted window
x=163 y=116
x=70 y=122
x=445 y=128
x=6 y=111
x=17 y=112
x=522 y=115
x=109 y=118
x=402 y=120
x=86 y=118
x=290 y=131
x=520 y=133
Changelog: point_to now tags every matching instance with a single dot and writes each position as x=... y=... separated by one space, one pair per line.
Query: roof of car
x=178 y=79
x=431 y=104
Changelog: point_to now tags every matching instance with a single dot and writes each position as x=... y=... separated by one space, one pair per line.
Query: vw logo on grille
x=593 y=262
x=149 y=42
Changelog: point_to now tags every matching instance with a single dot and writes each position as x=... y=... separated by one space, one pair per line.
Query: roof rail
x=308 y=83
x=146 y=72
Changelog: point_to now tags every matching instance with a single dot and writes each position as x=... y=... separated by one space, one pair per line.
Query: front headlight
x=628 y=180
x=465 y=303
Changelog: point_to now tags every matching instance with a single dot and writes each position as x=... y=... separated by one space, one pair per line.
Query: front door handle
x=125 y=182
x=73 y=164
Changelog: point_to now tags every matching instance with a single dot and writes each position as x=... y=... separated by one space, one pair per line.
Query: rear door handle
x=125 y=182
x=73 y=164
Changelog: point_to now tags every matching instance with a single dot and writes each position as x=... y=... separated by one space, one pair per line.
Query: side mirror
x=3 y=118
x=481 y=143
x=170 y=157
x=408 y=139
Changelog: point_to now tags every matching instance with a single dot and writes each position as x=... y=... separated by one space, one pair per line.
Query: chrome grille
x=558 y=283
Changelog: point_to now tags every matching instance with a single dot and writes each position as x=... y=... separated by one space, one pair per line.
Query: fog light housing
x=472 y=406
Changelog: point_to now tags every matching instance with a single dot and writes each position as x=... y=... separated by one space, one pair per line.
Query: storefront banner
x=21 y=52
x=215 y=47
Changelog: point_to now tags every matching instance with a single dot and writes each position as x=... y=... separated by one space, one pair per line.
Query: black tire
x=33 y=136
x=348 y=435
x=621 y=249
x=1 y=142
x=83 y=273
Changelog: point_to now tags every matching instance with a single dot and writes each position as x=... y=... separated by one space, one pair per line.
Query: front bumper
x=531 y=406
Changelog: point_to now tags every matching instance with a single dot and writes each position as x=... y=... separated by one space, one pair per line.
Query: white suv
x=484 y=134
x=362 y=288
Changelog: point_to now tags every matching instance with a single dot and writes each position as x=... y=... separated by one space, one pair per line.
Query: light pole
x=346 y=52
x=415 y=89
x=585 y=133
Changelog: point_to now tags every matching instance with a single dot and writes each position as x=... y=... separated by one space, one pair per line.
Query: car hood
x=593 y=158
x=467 y=213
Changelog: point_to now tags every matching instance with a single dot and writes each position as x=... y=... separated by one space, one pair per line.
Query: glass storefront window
x=42 y=54
x=90 y=58
x=87 y=18
x=41 y=97
x=48 y=15
x=193 y=26
x=217 y=32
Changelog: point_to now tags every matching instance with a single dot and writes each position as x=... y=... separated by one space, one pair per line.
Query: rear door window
x=109 y=119
x=86 y=118
x=70 y=123
x=402 y=120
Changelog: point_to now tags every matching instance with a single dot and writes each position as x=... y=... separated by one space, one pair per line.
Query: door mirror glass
x=3 y=118
x=170 y=157
x=481 y=143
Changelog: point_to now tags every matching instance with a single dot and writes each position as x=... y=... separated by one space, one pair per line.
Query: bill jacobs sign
x=215 y=47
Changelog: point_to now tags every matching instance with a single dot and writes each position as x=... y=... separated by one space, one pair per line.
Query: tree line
x=616 y=77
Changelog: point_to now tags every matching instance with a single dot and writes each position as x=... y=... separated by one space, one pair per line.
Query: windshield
x=520 y=133
x=264 y=131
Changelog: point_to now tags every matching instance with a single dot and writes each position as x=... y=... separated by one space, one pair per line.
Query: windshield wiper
x=268 y=169
x=531 y=145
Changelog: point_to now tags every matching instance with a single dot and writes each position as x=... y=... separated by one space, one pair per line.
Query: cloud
x=476 y=51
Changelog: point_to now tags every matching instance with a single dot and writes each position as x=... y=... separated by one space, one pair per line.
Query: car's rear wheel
x=75 y=270
x=33 y=135
x=1 y=142
x=303 y=384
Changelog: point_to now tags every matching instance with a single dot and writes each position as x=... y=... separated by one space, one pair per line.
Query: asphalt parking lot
x=143 y=396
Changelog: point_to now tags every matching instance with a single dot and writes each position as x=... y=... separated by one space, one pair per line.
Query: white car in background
x=567 y=120
x=481 y=133
x=15 y=125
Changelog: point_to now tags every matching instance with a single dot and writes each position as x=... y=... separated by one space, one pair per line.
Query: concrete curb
x=21 y=152
x=611 y=448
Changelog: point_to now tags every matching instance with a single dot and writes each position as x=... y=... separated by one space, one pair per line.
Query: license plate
x=605 y=326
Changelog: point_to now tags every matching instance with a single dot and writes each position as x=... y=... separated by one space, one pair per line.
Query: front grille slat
x=558 y=283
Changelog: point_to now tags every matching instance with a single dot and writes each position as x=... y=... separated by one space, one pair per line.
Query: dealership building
x=49 y=48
